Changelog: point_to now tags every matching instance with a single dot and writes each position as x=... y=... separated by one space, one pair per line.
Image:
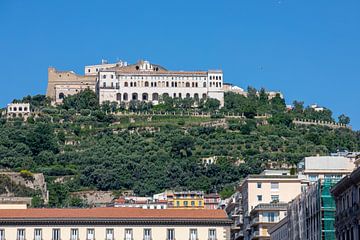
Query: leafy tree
x=85 y=99
x=343 y=119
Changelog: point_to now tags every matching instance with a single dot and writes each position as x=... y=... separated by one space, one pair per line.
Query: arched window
x=204 y=96
x=146 y=84
x=187 y=84
x=134 y=96
x=15 y=109
x=210 y=77
x=145 y=96
x=196 y=96
x=125 y=96
x=126 y=84
x=167 y=84
x=217 y=84
x=118 y=96
x=217 y=78
x=61 y=95
x=131 y=84
x=180 y=95
x=204 y=84
x=155 y=97
x=188 y=95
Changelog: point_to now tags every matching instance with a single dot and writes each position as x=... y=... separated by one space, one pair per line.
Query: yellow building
x=188 y=199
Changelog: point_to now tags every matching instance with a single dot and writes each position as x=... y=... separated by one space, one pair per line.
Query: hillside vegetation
x=107 y=148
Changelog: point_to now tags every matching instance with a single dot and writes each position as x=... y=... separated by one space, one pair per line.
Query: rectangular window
x=193 y=203
x=2 y=234
x=185 y=203
x=37 y=234
x=74 y=234
x=275 y=198
x=20 y=234
x=90 y=234
x=259 y=198
x=259 y=185
x=212 y=234
x=274 y=186
x=56 y=234
x=170 y=234
x=109 y=234
x=147 y=234
x=128 y=234
x=193 y=234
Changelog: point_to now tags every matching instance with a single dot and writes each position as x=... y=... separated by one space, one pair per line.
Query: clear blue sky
x=308 y=49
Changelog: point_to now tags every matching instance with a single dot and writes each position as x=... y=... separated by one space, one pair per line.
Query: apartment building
x=113 y=223
x=186 y=199
x=233 y=208
x=280 y=231
x=311 y=215
x=347 y=199
x=264 y=216
x=212 y=201
x=139 y=202
x=270 y=187
x=313 y=168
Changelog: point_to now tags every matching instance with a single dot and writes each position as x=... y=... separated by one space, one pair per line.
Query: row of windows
x=155 y=96
x=109 y=234
x=164 y=84
x=274 y=198
x=186 y=203
x=16 y=109
x=215 y=77
x=273 y=185
x=161 y=78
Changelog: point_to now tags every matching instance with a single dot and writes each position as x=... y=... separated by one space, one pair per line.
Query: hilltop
x=80 y=145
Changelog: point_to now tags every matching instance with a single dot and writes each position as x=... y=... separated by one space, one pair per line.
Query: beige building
x=264 y=216
x=65 y=83
x=259 y=190
x=113 y=224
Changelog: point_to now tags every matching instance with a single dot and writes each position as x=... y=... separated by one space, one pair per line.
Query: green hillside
x=108 y=148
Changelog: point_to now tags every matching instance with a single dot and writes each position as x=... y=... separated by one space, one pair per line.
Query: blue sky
x=307 y=49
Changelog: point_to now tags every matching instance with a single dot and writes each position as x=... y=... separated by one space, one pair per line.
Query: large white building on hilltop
x=149 y=82
x=143 y=81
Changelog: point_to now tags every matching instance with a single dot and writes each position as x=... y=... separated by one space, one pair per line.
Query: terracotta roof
x=113 y=213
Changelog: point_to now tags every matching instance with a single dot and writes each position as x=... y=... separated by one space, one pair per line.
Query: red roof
x=112 y=213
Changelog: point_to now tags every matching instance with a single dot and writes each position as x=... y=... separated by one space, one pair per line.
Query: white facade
x=325 y=167
x=147 y=82
x=18 y=109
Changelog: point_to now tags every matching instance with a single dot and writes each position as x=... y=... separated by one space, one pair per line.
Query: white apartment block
x=144 y=81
